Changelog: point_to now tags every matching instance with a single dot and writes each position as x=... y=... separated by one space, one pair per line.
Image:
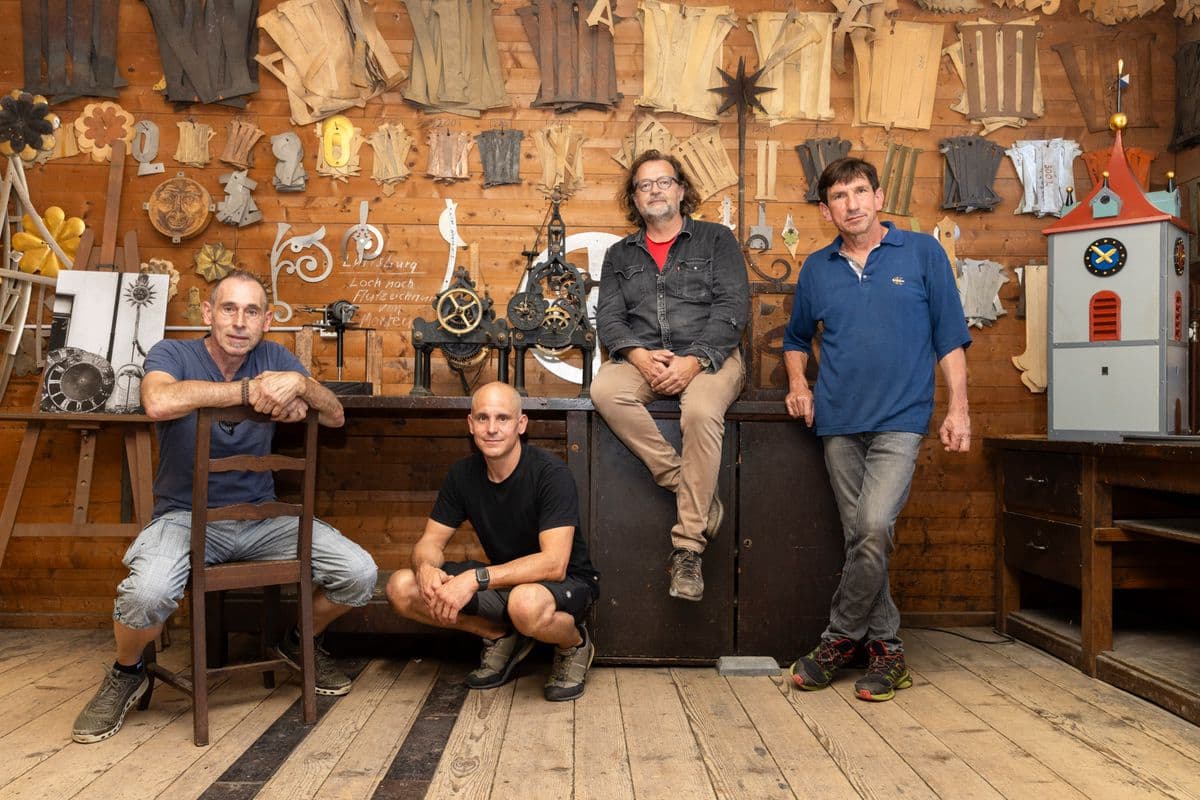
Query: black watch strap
x=482 y=577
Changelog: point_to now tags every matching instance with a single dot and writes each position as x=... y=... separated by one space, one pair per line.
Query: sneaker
x=885 y=675
x=687 y=582
x=498 y=660
x=105 y=712
x=570 y=669
x=815 y=670
x=330 y=679
x=716 y=515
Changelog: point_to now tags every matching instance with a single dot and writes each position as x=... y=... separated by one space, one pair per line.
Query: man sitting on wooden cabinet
x=231 y=366
x=524 y=506
x=674 y=300
x=888 y=309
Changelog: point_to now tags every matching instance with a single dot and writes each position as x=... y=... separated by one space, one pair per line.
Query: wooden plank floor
x=981 y=721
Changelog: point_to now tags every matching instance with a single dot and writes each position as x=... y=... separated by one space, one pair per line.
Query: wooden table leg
x=16 y=486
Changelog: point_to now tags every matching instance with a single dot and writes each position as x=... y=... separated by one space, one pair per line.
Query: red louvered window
x=1178 y=316
x=1105 y=317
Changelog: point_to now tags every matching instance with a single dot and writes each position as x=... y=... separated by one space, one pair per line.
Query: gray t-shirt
x=188 y=360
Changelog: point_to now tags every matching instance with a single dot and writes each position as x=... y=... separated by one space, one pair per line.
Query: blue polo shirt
x=188 y=360
x=881 y=334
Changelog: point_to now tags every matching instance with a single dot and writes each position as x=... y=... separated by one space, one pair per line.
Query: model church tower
x=1118 y=312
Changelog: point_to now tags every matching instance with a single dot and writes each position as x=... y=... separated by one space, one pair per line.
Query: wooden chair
x=208 y=580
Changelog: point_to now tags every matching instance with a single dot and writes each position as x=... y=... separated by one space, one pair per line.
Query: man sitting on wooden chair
x=231 y=366
x=524 y=506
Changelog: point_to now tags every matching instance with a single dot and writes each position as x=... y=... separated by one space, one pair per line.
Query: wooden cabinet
x=1098 y=546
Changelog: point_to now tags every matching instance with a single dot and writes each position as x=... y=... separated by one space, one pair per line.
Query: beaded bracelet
x=245 y=391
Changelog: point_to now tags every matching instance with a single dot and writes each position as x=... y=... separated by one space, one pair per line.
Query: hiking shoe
x=815 y=670
x=687 y=583
x=716 y=515
x=105 y=712
x=885 y=675
x=330 y=679
x=570 y=669
x=498 y=660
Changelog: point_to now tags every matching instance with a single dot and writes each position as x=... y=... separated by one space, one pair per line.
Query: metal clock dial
x=1105 y=256
x=76 y=381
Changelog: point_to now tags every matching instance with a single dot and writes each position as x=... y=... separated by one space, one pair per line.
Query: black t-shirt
x=539 y=495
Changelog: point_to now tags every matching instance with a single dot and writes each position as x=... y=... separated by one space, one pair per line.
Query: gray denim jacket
x=698 y=305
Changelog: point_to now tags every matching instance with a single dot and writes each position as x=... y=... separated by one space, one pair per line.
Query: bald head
x=496 y=393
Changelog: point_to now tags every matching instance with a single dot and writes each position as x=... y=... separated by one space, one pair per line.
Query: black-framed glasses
x=663 y=183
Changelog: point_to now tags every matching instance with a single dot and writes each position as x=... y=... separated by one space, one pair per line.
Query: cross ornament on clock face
x=1105 y=257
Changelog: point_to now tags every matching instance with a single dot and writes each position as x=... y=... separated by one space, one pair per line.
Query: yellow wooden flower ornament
x=36 y=254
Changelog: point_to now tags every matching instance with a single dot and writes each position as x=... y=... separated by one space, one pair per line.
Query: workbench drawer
x=1042 y=547
x=1048 y=482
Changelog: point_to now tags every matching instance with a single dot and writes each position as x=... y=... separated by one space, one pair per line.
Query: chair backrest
x=205 y=465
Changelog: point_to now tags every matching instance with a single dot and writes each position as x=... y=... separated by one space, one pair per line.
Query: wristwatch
x=704 y=362
x=482 y=577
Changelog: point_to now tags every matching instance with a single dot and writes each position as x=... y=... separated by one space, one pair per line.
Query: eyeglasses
x=230 y=311
x=663 y=183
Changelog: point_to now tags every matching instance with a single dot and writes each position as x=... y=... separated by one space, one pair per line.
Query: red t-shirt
x=659 y=250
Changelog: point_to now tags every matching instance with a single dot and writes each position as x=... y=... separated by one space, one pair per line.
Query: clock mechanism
x=1105 y=257
x=76 y=381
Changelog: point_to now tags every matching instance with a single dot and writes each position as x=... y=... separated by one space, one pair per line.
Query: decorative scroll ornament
x=289 y=168
x=238 y=207
x=27 y=126
x=239 y=143
x=307 y=267
x=214 y=261
x=560 y=149
x=337 y=151
x=392 y=146
x=37 y=256
x=99 y=126
x=179 y=208
x=367 y=239
x=145 y=148
x=161 y=266
x=193 y=143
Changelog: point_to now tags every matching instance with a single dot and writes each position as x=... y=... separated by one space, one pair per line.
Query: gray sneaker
x=687 y=582
x=105 y=712
x=570 y=669
x=330 y=679
x=498 y=660
x=716 y=515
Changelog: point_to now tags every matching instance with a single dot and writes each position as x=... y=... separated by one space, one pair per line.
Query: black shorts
x=573 y=595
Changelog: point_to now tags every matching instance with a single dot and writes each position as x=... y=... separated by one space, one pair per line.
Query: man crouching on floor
x=524 y=507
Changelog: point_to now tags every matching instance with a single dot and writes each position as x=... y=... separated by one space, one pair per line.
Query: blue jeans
x=871 y=474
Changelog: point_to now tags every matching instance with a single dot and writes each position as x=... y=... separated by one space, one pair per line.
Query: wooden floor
x=981 y=721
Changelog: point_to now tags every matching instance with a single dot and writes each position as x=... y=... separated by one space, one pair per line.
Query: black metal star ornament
x=741 y=90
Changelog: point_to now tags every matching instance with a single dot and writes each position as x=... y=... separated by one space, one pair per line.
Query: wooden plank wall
x=944 y=559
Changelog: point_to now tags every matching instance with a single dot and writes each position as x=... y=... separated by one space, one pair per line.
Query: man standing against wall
x=888 y=310
x=230 y=366
x=674 y=300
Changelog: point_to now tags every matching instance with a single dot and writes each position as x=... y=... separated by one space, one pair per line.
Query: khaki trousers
x=620 y=394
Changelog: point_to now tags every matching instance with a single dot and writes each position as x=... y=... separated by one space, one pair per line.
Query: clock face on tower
x=1180 y=256
x=1104 y=257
